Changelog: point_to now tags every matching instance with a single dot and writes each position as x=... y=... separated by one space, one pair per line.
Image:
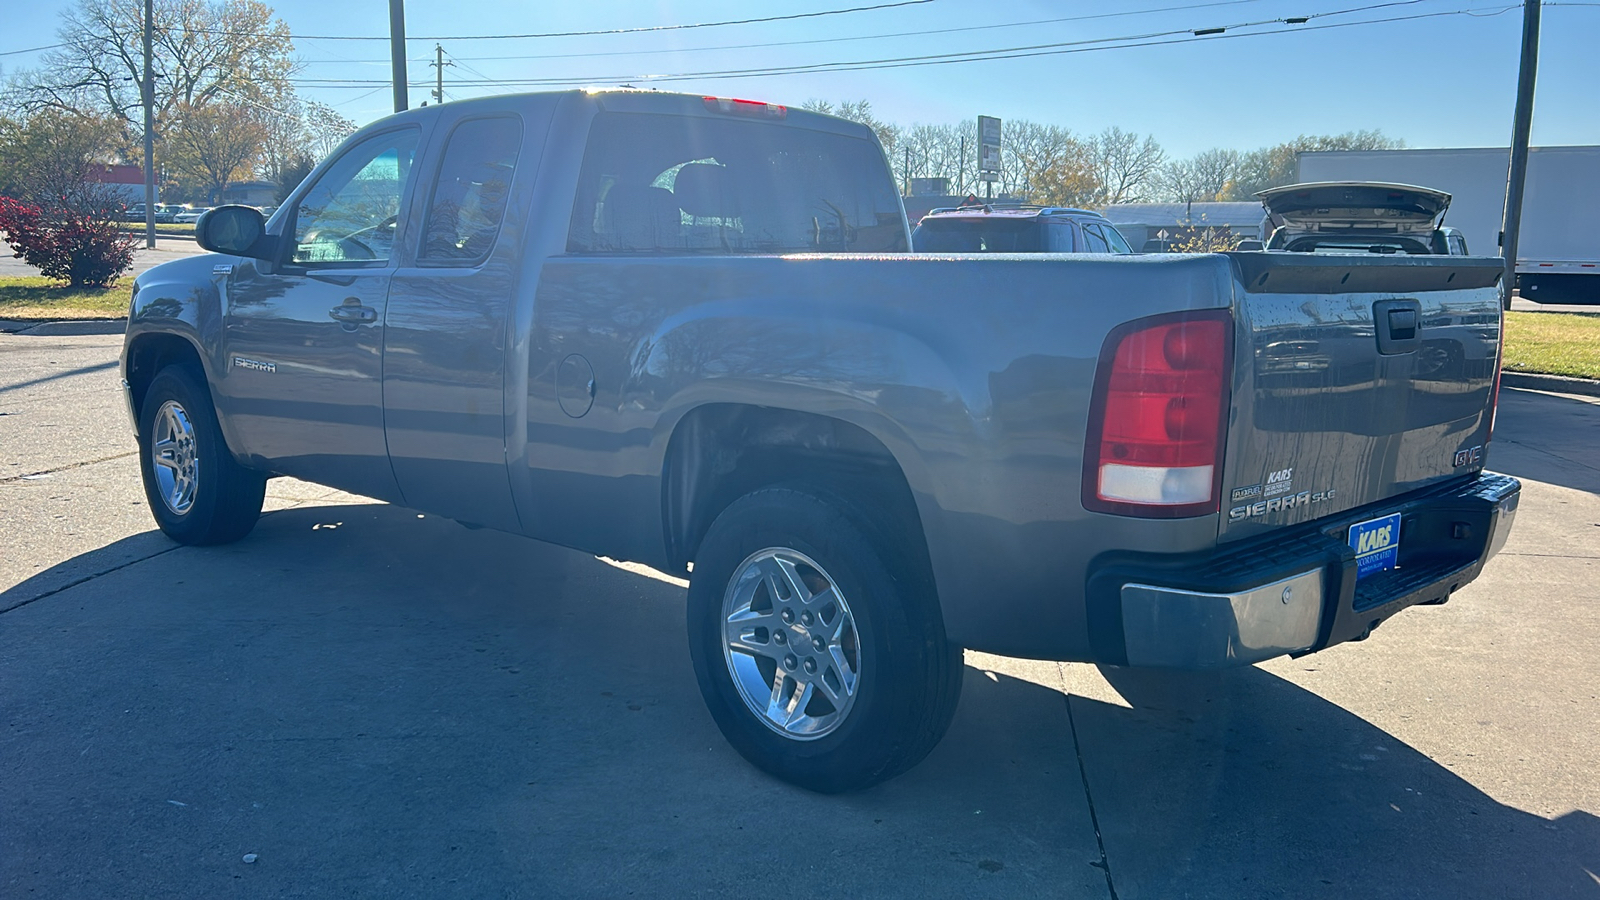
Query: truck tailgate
x=1358 y=379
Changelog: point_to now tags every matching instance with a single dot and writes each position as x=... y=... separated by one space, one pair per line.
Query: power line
x=32 y=49
x=563 y=34
x=1057 y=48
x=834 y=40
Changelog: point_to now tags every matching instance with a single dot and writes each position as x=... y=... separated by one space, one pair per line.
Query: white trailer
x=1558 y=254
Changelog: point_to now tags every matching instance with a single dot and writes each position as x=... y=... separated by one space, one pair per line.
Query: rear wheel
x=817 y=641
x=196 y=490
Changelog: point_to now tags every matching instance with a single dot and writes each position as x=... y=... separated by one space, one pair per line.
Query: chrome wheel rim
x=173 y=460
x=790 y=643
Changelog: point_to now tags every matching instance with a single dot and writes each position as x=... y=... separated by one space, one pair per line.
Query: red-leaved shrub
x=84 y=249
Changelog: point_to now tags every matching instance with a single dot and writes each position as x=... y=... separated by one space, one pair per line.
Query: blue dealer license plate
x=1377 y=545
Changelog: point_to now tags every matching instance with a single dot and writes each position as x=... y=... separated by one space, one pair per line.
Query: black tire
x=225 y=500
x=909 y=675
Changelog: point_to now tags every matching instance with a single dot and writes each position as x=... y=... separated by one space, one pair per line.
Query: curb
x=68 y=328
x=1556 y=383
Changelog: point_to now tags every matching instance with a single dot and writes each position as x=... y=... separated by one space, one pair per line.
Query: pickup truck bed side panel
x=973 y=371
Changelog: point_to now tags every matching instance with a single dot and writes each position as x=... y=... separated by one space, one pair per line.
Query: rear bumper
x=1294 y=592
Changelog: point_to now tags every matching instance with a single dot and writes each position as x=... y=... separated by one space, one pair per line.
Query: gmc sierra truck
x=689 y=332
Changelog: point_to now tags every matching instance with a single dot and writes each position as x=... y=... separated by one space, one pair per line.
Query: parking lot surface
x=372 y=702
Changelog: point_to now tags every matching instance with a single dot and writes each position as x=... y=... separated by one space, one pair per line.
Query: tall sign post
x=1522 y=124
x=989 y=152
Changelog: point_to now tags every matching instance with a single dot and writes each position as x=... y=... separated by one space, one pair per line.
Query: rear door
x=1358 y=379
x=447 y=328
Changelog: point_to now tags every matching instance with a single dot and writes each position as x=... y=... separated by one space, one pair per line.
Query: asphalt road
x=167 y=248
x=378 y=703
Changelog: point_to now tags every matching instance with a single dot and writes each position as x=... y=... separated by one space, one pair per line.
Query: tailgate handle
x=1397 y=323
x=1402 y=324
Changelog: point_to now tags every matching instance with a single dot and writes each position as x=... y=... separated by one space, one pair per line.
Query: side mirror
x=235 y=230
x=1249 y=244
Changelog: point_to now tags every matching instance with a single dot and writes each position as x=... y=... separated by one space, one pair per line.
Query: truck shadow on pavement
x=1241 y=783
x=377 y=702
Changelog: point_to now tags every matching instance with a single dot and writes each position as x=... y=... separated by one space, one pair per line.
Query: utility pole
x=397 y=52
x=439 y=63
x=908 y=171
x=148 y=94
x=1521 y=126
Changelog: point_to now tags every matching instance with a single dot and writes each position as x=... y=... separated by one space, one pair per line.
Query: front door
x=303 y=336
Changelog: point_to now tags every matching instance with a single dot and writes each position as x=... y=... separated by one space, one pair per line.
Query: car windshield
x=994 y=235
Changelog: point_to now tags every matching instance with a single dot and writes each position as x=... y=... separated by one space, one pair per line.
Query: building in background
x=251 y=193
x=125 y=182
x=1141 y=222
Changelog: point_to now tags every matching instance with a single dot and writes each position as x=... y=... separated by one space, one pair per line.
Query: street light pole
x=397 y=52
x=1522 y=125
x=148 y=92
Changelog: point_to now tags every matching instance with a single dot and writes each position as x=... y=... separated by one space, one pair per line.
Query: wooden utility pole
x=439 y=64
x=1522 y=125
x=397 y=53
x=148 y=94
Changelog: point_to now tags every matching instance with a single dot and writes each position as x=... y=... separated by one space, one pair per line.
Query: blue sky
x=1437 y=81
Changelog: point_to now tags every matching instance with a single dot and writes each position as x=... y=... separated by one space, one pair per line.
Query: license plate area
x=1377 y=545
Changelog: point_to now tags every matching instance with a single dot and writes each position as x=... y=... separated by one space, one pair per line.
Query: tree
x=1125 y=165
x=49 y=158
x=214 y=144
x=58 y=214
x=234 y=49
x=1274 y=166
x=295 y=136
x=857 y=111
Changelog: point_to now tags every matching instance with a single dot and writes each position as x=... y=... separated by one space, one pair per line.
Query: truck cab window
x=676 y=184
x=351 y=212
x=469 y=197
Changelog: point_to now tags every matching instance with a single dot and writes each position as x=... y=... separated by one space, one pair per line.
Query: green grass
x=36 y=297
x=1553 y=343
x=173 y=228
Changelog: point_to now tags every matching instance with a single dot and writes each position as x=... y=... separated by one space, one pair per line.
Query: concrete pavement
x=378 y=703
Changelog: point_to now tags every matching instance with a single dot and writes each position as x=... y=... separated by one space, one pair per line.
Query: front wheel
x=817 y=641
x=196 y=490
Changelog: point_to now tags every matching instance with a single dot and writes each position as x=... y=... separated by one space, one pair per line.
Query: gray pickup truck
x=689 y=332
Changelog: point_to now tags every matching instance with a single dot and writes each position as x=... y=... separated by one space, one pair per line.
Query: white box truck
x=1558 y=254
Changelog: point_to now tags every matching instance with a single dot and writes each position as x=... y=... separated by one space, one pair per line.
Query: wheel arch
x=719 y=452
x=147 y=354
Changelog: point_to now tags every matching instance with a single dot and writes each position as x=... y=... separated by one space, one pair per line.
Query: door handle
x=353 y=313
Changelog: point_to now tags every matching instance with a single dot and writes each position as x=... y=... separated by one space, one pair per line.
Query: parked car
x=1358 y=217
x=689 y=332
x=1016 y=229
x=191 y=215
x=166 y=213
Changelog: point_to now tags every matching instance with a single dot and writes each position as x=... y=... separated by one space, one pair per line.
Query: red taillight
x=746 y=107
x=1158 y=416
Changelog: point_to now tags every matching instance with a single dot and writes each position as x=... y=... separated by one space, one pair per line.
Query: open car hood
x=1355 y=205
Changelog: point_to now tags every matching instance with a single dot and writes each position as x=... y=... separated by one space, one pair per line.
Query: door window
x=1114 y=238
x=350 y=214
x=469 y=197
x=1095 y=240
x=1061 y=238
